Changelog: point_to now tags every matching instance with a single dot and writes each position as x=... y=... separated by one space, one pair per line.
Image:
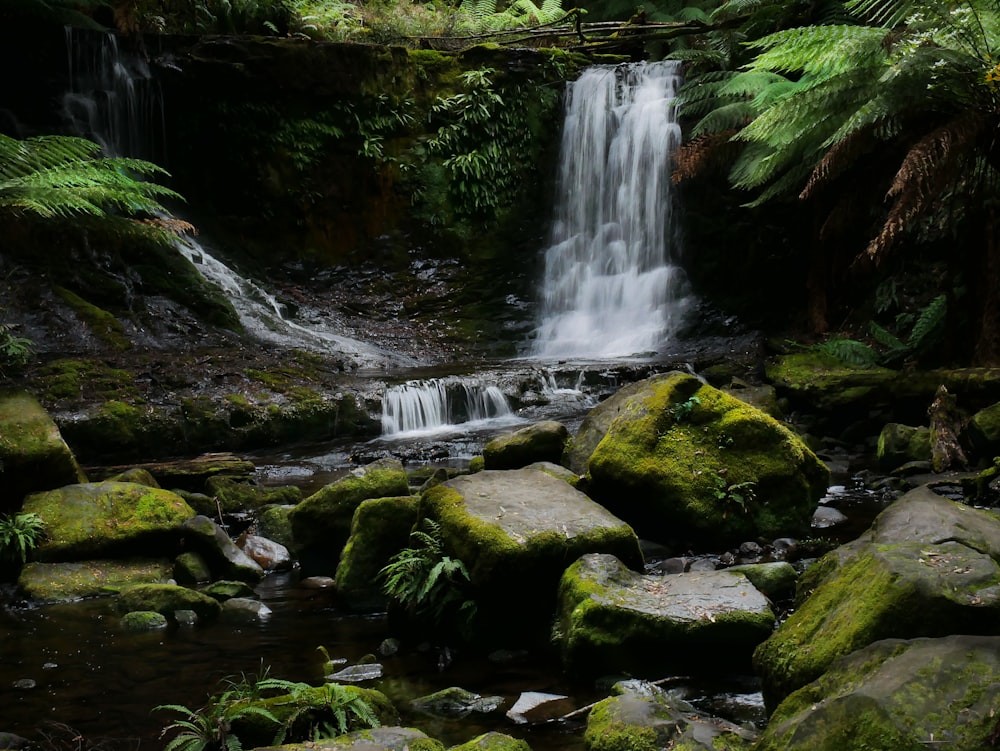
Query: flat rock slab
x=63 y=582
x=613 y=618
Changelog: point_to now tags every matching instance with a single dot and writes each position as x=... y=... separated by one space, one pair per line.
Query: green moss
x=101 y=323
x=166 y=599
x=79 y=379
x=64 y=582
x=493 y=741
x=143 y=620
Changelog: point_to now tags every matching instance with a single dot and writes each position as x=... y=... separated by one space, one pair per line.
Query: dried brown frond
x=839 y=158
x=172 y=224
x=932 y=164
x=703 y=154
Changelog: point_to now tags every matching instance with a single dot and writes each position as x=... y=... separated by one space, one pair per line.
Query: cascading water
x=439 y=404
x=115 y=101
x=610 y=289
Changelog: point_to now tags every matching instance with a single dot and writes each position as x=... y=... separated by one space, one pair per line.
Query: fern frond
x=697 y=156
x=819 y=51
x=929 y=324
x=725 y=119
x=838 y=158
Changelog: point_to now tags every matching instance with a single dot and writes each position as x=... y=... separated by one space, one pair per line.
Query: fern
x=929 y=324
x=849 y=351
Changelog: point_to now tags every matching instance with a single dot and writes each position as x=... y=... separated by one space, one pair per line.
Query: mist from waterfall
x=610 y=288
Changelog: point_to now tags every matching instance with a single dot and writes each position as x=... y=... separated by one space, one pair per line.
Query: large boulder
x=899 y=444
x=612 y=618
x=896 y=695
x=225 y=560
x=927 y=567
x=167 y=599
x=321 y=523
x=107 y=519
x=541 y=442
x=516 y=532
x=65 y=582
x=33 y=454
x=381 y=527
x=680 y=460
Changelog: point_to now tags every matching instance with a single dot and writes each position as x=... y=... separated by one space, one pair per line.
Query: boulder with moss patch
x=899 y=444
x=33 y=454
x=167 y=599
x=144 y=620
x=680 y=460
x=94 y=520
x=493 y=741
x=381 y=527
x=896 y=695
x=321 y=523
x=65 y=582
x=927 y=567
x=516 y=531
x=541 y=442
x=224 y=558
x=235 y=494
x=612 y=618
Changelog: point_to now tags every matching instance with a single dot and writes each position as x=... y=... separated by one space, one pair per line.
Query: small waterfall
x=610 y=289
x=438 y=404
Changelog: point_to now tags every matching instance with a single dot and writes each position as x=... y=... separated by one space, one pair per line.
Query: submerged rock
x=541 y=442
x=679 y=459
x=612 y=618
x=166 y=599
x=516 y=531
x=455 y=702
x=896 y=695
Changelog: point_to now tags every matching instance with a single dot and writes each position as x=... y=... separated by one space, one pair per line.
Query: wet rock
x=380 y=528
x=245 y=609
x=233 y=494
x=611 y=618
x=750 y=552
x=493 y=741
x=167 y=598
x=33 y=454
x=226 y=590
x=557 y=471
x=318 y=582
x=668 y=566
x=825 y=517
x=538 y=706
x=703 y=564
x=456 y=703
x=268 y=554
x=896 y=695
x=357 y=673
x=679 y=455
x=516 y=531
x=192 y=474
x=899 y=444
x=143 y=620
x=24 y=684
x=191 y=569
x=776 y=579
x=926 y=567
x=225 y=559
x=389 y=647
x=65 y=582
x=137 y=475
x=384 y=739
x=541 y=442
x=94 y=520
x=273 y=524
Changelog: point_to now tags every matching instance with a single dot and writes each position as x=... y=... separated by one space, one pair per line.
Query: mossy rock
x=896 y=695
x=899 y=444
x=828 y=385
x=983 y=431
x=144 y=620
x=776 y=579
x=224 y=558
x=166 y=599
x=191 y=568
x=93 y=520
x=323 y=520
x=516 y=531
x=493 y=741
x=227 y=590
x=381 y=527
x=886 y=585
x=684 y=461
x=33 y=454
x=234 y=495
x=274 y=524
x=614 y=619
x=65 y=582
x=541 y=442
x=138 y=475
x=377 y=739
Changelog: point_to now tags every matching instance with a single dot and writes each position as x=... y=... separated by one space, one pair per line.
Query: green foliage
x=682 y=410
x=347 y=710
x=849 y=351
x=425 y=581
x=484 y=15
x=210 y=16
x=15 y=351
x=739 y=494
x=19 y=535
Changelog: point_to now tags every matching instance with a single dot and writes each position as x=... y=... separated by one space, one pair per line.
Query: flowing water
x=440 y=405
x=610 y=287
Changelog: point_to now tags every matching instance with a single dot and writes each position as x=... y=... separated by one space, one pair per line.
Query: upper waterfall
x=610 y=289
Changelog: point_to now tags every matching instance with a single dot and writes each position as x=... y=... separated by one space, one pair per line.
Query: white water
x=610 y=288
x=115 y=101
x=442 y=404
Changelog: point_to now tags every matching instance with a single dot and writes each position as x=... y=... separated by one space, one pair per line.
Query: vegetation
x=19 y=535
x=15 y=351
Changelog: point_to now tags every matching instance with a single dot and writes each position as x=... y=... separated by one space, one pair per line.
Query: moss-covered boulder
x=517 y=531
x=167 y=599
x=681 y=460
x=64 y=582
x=227 y=590
x=33 y=454
x=274 y=524
x=455 y=703
x=106 y=519
x=493 y=741
x=235 y=494
x=376 y=739
x=899 y=444
x=321 y=523
x=224 y=558
x=983 y=431
x=927 y=567
x=380 y=528
x=642 y=717
x=541 y=442
x=776 y=579
x=614 y=619
x=191 y=568
x=896 y=695
x=144 y=620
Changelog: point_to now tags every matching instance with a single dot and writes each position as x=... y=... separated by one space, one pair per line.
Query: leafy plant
x=740 y=494
x=682 y=410
x=346 y=706
x=211 y=726
x=19 y=535
x=425 y=581
x=15 y=351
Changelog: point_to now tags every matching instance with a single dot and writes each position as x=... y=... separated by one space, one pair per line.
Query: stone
x=899 y=444
x=375 y=739
x=455 y=703
x=679 y=459
x=245 y=609
x=380 y=528
x=538 y=706
x=268 y=554
x=227 y=590
x=66 y=582
x=143 y=620
x=167 y=598
x=95 y=520
x=274 y=524
x=896 y=695
x=323 y=520
x=926 y=567
x=776 y=580
x=225 y=560
x=192 y=474
x=190 y=569
x=493 y=741
x=983 y=431
x=613 y=619
x=516 y=531
x=237 y=494
x=541 y=442
x=33 y=454
x=137 y=475
x=826 y=516
x=368 y=671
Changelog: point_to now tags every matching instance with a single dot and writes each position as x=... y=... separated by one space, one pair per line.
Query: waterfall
x=610 y=289
x=438 y=404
